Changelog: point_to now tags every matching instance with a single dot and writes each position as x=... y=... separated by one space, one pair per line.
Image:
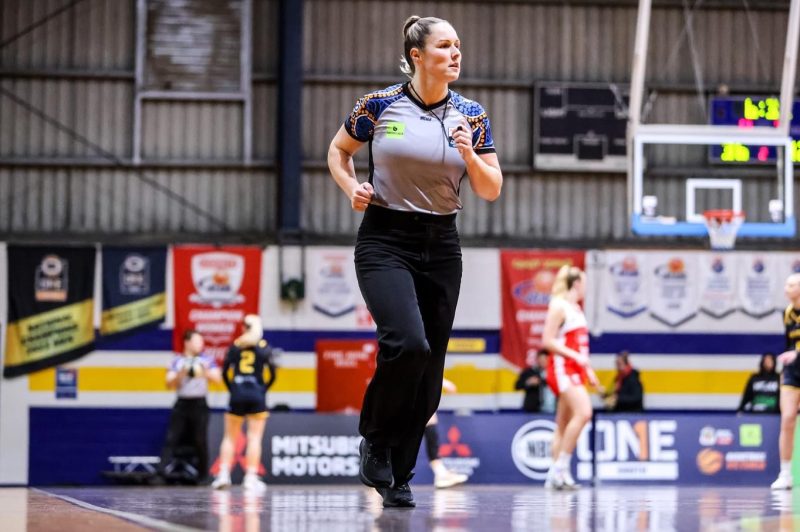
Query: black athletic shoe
x=375 y=470
x=398 y=497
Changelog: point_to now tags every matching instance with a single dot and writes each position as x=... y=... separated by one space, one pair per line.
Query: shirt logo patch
x=395 y=130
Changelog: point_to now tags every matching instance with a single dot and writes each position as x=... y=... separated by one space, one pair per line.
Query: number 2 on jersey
x=246 y=361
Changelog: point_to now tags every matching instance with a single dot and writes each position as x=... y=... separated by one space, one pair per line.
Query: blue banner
x=134 y=289
x=308 y=448
x=721 y=449
x=66 y=383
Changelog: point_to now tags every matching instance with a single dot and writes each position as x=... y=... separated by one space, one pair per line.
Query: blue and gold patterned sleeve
x=361 y=122
x=482 y=141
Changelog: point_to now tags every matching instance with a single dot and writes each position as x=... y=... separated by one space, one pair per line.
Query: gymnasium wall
x=700 y=363
x=79 y=70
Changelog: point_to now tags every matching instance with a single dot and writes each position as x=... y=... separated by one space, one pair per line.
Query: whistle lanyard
x=448 y=140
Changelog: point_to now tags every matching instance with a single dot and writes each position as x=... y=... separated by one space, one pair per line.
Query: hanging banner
x=626 y=293
x=332 y=284
x=757 y=280
x=717 y=280
x=3 y=300
x=673 y=279
x=134 y=289
x=50 y=307
x=786 y=264
x=687 y=291
x=215 y=287
x=527 y=278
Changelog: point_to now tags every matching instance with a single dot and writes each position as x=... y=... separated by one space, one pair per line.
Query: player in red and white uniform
x=566 y=337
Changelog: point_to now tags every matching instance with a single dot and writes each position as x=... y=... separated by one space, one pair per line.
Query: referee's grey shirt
x=414 y=165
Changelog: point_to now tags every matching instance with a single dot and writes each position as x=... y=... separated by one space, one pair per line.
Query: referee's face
x=195 y=344
x=441 y=58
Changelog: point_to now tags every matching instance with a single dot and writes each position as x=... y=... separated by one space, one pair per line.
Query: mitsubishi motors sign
x=312 y=449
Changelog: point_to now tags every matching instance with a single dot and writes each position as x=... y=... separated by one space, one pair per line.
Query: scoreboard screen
x=580 y=127
x=748 y=112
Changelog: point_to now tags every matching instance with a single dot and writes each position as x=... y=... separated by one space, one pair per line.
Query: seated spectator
x=762 y=393
x=627 y=394
x=532 y=380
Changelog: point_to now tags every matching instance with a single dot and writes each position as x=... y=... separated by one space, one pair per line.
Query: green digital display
x=748 y=112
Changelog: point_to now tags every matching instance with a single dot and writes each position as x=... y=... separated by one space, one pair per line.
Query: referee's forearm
x=486 y=180
x=342 y=169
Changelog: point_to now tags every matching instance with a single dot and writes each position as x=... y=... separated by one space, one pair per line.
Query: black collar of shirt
x=420 y=104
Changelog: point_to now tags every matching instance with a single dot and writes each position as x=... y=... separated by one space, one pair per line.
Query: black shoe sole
x=398 y=504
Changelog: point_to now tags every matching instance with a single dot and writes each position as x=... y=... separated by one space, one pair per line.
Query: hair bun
x=410 y=21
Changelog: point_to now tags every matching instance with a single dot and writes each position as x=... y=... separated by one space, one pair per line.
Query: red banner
x=344 y=368
x=527 y=278
x=214 y=288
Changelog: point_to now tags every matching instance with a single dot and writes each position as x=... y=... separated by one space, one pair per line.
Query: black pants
x=188 y=425
x=409 y=271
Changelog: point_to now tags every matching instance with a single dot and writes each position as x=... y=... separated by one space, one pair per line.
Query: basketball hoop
x=722 y=225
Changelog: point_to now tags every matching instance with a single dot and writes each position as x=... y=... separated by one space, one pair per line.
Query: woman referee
x=423 y=139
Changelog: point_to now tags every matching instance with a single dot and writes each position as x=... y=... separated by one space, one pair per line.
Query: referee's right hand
x=361 y=196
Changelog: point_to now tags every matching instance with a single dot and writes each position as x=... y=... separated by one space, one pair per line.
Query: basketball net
x=722 y=227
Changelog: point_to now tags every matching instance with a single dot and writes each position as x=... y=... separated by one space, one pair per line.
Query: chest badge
x=395 y=130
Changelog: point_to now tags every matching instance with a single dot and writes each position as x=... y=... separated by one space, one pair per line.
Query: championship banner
x=134 y=289
x=3 y=300
x=625 y=291
x=50 y=307
x=332 y=284
x=673 y=291
x=717 y=284
x=757 y=280
x=527 y=278
x=786 y=264
x=215 y=287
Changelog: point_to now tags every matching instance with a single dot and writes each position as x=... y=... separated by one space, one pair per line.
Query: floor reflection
x=497 y=508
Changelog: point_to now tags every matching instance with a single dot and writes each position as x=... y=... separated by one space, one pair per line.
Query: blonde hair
x=565 y=278
x=254 y=330
x=415 y=32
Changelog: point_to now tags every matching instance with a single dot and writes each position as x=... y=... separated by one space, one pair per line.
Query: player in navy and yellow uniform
x=243 y=374
x=248 y=389
x=790 y=388
x=791 y=324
